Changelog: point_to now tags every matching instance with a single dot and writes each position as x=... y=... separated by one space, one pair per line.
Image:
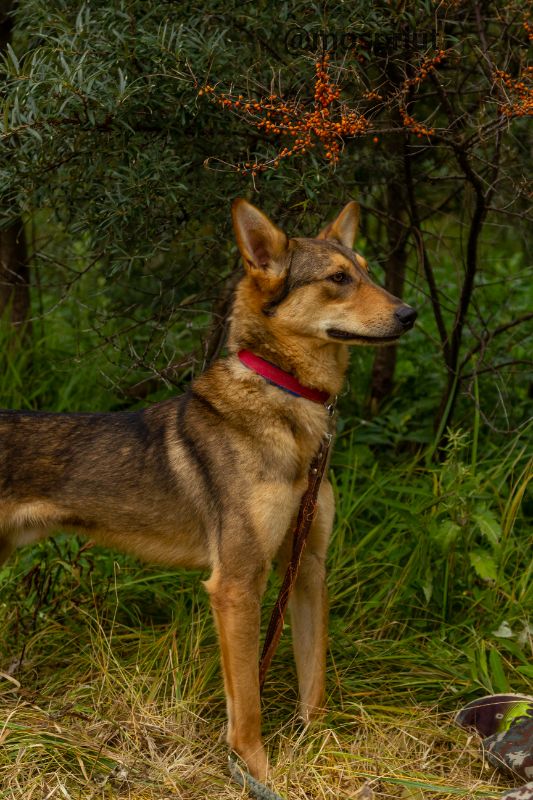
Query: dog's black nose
x=406 y=315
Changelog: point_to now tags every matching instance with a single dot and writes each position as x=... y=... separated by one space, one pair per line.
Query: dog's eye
x=340 y=277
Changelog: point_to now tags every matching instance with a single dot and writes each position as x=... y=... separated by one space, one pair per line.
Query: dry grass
x=91 y=744
x=101 y=709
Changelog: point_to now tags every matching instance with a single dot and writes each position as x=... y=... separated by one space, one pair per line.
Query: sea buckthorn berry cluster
x=528 y=29
x=372 y=96
x=326 y=123
x=326 y=92
x=422 y=71
x=416 y=127
x=520 y=90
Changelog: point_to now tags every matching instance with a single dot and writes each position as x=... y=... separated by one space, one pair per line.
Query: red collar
x=280 y=378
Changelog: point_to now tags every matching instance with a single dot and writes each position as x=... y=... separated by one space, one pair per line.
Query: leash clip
x=330 y=407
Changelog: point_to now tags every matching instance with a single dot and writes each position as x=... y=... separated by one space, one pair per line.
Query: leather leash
x=306 y=515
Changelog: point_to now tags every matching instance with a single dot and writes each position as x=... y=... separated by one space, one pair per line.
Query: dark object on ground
x=505 y=723
x=524 y=792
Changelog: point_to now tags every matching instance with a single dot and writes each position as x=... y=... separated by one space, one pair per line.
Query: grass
x=109 y=675
x=118 y=695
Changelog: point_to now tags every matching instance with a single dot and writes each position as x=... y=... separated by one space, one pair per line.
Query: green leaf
x=526 y=670
x=497 y=672
x=35 y=133
x=6 y=116
x=13 y=57
x=488 y=525
x=444 y=533
x=484 y=565
x=427 y=586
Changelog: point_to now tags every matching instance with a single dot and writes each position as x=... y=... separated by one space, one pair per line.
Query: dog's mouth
x=347 y=336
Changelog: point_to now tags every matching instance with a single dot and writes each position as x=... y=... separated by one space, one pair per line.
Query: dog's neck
x=316 y=364
x=321 y=368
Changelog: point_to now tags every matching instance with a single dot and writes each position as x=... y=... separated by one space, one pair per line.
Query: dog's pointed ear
x=262 y=244
x=344 y=228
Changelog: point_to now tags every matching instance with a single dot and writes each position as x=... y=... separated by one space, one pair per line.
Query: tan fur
x=214 y=479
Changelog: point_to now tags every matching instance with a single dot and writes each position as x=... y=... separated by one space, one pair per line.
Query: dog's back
x=107 y=476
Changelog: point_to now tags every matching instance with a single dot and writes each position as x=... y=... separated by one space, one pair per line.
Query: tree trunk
x=14 y=275
x=385 y=359
x=14 y=269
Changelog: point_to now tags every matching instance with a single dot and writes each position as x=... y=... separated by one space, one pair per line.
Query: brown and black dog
x=213 y=479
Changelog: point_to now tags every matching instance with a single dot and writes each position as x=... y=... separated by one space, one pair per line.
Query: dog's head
x=318 y=287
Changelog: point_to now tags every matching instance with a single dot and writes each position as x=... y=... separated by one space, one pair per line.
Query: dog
x=213 y=479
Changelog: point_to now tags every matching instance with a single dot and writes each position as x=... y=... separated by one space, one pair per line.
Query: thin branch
x=496 y=367
x=423 y=256
x=489 y=336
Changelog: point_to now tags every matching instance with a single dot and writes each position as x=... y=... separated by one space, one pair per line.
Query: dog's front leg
x=309 y=609
x=236 y=608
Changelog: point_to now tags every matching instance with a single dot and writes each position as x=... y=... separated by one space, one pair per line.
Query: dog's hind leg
x=236 y=607
x=309 y=609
